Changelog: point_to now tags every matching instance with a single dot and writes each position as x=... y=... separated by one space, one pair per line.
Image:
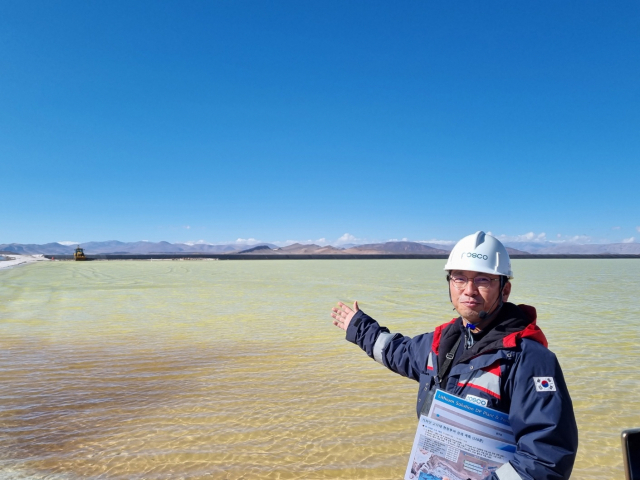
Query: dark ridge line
x=374 y=256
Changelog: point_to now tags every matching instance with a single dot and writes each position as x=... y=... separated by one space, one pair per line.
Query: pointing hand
x=343 y=314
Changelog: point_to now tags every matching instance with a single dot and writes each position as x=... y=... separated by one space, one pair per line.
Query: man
x=499 y=359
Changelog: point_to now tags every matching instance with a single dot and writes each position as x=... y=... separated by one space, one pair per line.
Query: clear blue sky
x=308 y=120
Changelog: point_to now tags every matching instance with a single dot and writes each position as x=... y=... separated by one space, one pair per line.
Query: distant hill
x=438 y=246
x=33 y=249
x=258 y=249
x=115 y=246
x=294 y=249
x=593 y=249
x=367 y=249
x=396 y=247
x=310 y=249
x=513 y=251
x=374 y=248
x=551 y=248
x=122 y=248
x=386 y=248
x=206 y=248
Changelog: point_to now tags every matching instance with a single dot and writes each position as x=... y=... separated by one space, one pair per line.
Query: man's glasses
x=481 y=283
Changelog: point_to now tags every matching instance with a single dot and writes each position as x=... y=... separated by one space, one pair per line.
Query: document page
x=459 y=440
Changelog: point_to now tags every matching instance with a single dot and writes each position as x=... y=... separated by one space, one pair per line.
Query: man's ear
x=506 y=291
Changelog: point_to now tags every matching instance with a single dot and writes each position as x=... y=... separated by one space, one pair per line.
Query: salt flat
x=13 y=260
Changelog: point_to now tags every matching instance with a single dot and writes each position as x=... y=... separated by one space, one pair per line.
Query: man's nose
x=470 y=288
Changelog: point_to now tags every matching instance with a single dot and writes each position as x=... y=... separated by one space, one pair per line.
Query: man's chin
x=470 y=315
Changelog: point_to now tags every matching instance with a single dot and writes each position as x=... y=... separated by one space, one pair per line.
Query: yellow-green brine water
x=233 y=370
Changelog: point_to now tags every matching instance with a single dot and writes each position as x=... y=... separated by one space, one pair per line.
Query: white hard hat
x=480 y=252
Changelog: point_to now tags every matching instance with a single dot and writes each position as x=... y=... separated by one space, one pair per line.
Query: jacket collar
x=511 y=325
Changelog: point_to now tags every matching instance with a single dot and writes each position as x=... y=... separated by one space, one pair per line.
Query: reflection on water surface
x=232 y=370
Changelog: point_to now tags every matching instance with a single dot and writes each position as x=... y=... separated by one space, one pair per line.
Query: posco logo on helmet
x=474 y=255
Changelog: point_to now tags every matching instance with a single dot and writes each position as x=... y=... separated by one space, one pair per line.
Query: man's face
x=470 y=300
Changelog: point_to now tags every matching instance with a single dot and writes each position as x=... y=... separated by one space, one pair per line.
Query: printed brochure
x=459 y=440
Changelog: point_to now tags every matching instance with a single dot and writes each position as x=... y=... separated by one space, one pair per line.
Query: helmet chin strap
x=489 y=315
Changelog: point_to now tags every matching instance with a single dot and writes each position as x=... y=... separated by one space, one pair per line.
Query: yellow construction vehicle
x=79 y=254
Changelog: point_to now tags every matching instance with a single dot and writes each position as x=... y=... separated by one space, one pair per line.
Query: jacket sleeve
x=542 y=418
x=404 y=355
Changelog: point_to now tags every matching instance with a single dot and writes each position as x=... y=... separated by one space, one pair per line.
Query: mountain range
x=146 y=248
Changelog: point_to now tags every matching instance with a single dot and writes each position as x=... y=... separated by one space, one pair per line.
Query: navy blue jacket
x=501 y=369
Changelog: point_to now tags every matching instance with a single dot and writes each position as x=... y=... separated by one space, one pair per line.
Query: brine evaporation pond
x=233 y=370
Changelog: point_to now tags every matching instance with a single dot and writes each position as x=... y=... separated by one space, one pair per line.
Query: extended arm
x=403 y=355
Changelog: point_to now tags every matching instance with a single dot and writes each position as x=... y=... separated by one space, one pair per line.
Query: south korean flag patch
x=544 y=384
